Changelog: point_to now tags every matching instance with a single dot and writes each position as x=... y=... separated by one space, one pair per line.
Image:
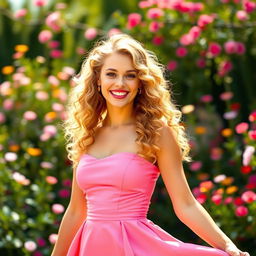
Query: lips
x=121 y=96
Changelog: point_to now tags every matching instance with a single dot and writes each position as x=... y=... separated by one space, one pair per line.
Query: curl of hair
x=154 y=107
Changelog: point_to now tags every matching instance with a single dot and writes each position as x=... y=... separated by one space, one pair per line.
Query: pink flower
x=114 y=31
x=2 y=118
x=8 y=104
x=217 y=199
x=67 y=183
x=226 y=95
x=206 y=98
x=195 y=32
x=30 y=246
x=248 y=196
x=90 y=33
x=252 y=134
x=133 y=20
x=46 y=165
x=58 y=208
x=181 y=51
x=155 y=13
x=145 y=4
x=57 y=107
x=10 y=156
x=238 y=201
x=214 y=49
x=230 y=115
x=55 y=53
x=187 y=39
x=157 y=40
x=249 y=6
x=154 y=26
x=51 y=180
x=241 y=211
x=228 y=200
x=53 y=238
x=224 y=67
x=195 y=166
x=54 y=44
x=252 y=116
x=201 y=62
x=172 y=65
x=230 y=47
x=29 y=115
x=242 y=15
x=40 y=2
x=50 y=129
x=64 y=193
x=240 y=48
x=241 y=127
x=20 y=13
x=247 y=155
x=204 y=20
x=42 y=95
x=53 y=21
x=53 y=80
x=41 y=242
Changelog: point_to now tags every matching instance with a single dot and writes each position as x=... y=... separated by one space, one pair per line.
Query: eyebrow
x=132 y=70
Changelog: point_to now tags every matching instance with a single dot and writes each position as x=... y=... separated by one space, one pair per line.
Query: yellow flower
x=34 y=151
x=7 y=70
x=200 y=130
x=231 y=189
x=14 y=148
x=227 y=181
x=50 y=115
x=187 y=109
x=21 y=48
x=226 y=132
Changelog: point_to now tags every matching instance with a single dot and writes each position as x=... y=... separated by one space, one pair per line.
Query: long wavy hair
x=154 y=107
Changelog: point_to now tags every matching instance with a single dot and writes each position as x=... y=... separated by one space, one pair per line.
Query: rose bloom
x=214 y=49
x=51 y=180
x=90 y=33
x=195 y=166
x=242 y=15
x=20 y=13
x=58 y=208
x=241 y=211
x=155 y=13
x=133 y=20
x=181 y=51
x=187 y=39
x=53 y=238
x=242 y=127
x=248 y=196
x=252 y=116
x=252 y=134
x=230 y=47
x=30 y=246
x=206 y=98
x=44 y=36
x=30 y=115
x=217 y=199
x=172 y=65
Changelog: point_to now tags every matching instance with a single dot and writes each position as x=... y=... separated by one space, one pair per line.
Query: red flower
x=241 y=211
x=246 y=169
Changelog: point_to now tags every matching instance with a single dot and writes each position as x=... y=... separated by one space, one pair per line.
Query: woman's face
x=118 y=80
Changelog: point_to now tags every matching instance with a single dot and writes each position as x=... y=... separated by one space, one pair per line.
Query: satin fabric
x=118 y=189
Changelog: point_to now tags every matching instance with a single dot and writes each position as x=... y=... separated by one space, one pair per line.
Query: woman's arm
x=73 y=218
x=186 y=207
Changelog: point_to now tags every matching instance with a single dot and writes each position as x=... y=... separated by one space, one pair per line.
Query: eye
x=131 y=75
x=111 y=74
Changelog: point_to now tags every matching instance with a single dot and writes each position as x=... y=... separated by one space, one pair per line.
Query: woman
x=124 y=131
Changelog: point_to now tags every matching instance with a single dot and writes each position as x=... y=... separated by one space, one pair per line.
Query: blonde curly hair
x=154 y=107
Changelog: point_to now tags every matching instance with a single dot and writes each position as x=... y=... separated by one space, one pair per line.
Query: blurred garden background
x=209 y=50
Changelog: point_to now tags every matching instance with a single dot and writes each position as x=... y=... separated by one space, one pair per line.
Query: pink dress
x=118 y=190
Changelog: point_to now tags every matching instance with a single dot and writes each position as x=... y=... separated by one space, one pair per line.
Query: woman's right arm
x=73 y=218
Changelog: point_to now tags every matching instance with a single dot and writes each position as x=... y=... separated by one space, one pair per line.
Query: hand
x=232 y=250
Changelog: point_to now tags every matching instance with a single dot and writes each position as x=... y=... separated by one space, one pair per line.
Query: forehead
x=118 y=61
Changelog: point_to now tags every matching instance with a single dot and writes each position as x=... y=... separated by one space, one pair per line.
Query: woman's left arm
x=186 y=207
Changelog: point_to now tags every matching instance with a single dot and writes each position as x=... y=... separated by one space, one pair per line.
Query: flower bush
x=208 y=52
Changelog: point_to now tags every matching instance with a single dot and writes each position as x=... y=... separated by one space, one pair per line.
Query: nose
x=120 y=80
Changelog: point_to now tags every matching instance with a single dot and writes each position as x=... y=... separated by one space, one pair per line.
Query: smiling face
x=118 y=80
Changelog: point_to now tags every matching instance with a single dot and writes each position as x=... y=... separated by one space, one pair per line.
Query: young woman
x=123 y=131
